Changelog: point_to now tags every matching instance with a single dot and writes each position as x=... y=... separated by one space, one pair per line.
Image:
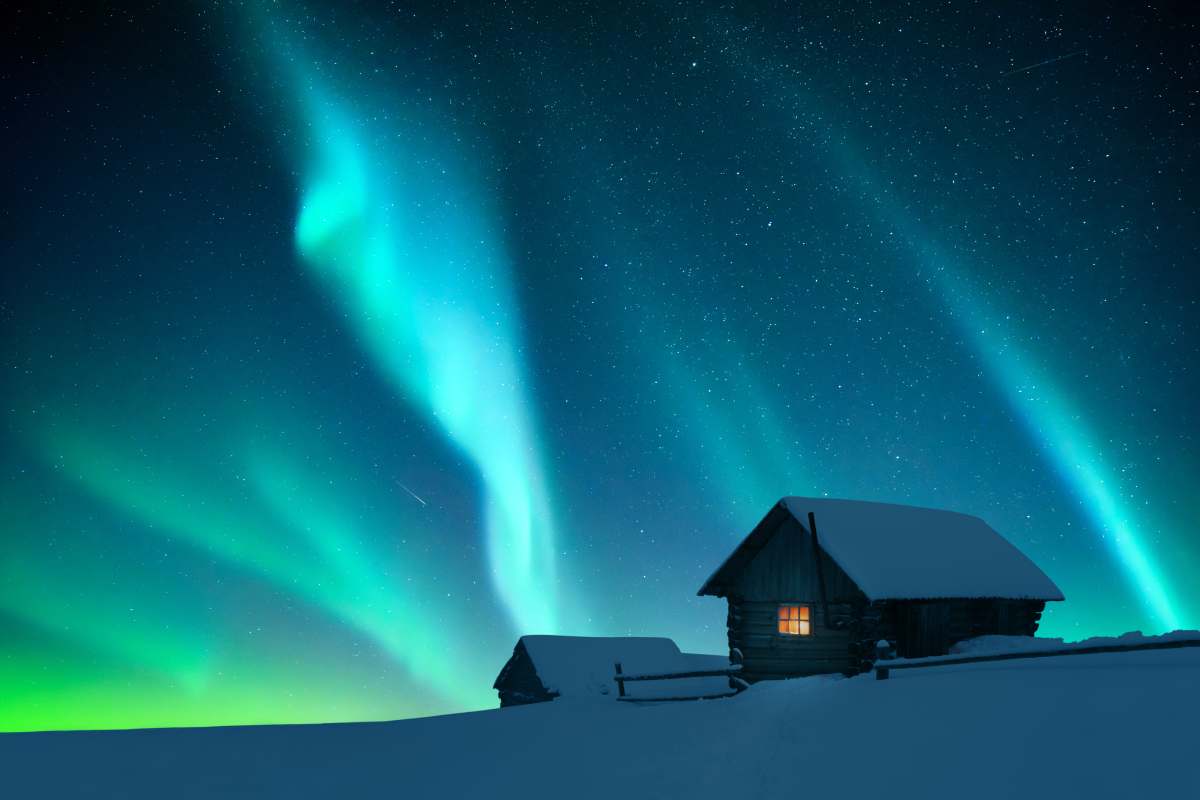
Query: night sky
x=341 y=348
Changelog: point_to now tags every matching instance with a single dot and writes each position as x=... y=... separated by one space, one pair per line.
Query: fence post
x=882 y=651
x=620 y=680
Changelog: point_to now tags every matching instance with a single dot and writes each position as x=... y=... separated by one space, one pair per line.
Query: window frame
x=804 y=616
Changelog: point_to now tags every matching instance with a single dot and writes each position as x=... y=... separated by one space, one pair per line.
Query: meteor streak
x=1042 y=63
x=411 y=493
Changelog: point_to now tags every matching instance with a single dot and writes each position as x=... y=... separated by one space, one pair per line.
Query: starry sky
x=341 y=347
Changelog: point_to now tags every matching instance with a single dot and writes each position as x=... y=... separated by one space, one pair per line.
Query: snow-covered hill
x=1090 y=726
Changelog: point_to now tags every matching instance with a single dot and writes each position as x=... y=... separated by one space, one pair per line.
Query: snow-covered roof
x=895 y=552
x=583 y=666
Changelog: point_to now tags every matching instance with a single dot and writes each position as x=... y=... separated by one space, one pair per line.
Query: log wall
x=847 y=643
x=767 y=654
x=930 y=627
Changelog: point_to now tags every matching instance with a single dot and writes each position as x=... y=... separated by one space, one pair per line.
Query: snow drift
x=1113 y=725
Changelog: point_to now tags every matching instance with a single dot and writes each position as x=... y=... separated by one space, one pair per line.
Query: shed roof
x=581 y=667
x=895 y=552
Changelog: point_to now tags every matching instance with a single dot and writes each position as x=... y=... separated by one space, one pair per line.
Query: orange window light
x=795 y=621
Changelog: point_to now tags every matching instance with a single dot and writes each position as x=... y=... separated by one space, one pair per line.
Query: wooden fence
x=732 y=672
x=883 y=669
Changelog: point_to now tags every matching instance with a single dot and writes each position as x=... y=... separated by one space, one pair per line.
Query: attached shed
x=543 y=668
x=819 y=581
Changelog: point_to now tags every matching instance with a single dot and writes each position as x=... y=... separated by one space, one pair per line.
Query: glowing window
x=795 y=621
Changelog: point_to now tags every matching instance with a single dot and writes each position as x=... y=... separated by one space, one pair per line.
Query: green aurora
x=377 y=340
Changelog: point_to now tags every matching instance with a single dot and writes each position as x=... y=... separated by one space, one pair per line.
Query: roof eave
x=711 y=587
x=932 y=598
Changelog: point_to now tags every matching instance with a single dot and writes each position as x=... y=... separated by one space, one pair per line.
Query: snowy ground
x=1094 y=726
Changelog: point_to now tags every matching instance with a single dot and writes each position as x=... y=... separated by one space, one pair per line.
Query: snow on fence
x=731 y=672
x=884 y=668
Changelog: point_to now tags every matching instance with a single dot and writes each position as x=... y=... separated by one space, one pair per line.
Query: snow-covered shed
x=819 y=581
x=582 y=668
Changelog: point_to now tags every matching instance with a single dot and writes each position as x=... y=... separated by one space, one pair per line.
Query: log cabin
x=819 y=581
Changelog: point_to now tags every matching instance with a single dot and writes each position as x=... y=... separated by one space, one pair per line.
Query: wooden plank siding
x=917 y=627
x=929 y=627
x=784 y=569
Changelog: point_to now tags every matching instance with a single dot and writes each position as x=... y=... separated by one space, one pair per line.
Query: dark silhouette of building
x=580 y=668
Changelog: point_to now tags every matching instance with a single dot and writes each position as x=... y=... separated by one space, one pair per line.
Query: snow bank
x=996 y=645
x=1089 y=726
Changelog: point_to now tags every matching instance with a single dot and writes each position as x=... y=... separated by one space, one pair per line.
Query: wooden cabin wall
x=767 y=654
x=785 y=570
x=930 y=627
x=923 y=628
x=1019 y=617
x=917 y=628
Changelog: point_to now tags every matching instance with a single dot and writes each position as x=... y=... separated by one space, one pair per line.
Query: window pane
x=783 y=626
x=803 y=612
x=794 y=627
x=783 y=612
x=805 y=628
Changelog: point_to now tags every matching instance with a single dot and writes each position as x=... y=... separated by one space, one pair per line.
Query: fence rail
x=669 y=676
x=621 y=678
x=882 y=670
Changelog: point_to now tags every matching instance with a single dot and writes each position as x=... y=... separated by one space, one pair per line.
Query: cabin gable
x=518 y=682
x=785 y=569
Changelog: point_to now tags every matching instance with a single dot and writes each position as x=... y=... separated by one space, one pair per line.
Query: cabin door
x=922 y=629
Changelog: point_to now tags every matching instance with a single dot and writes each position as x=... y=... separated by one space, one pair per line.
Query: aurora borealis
x=343 y=347
x=403 y=241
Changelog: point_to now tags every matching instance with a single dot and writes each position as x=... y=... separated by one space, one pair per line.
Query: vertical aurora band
x=1057 y=426
x=395 y=228
x=1061 y=432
